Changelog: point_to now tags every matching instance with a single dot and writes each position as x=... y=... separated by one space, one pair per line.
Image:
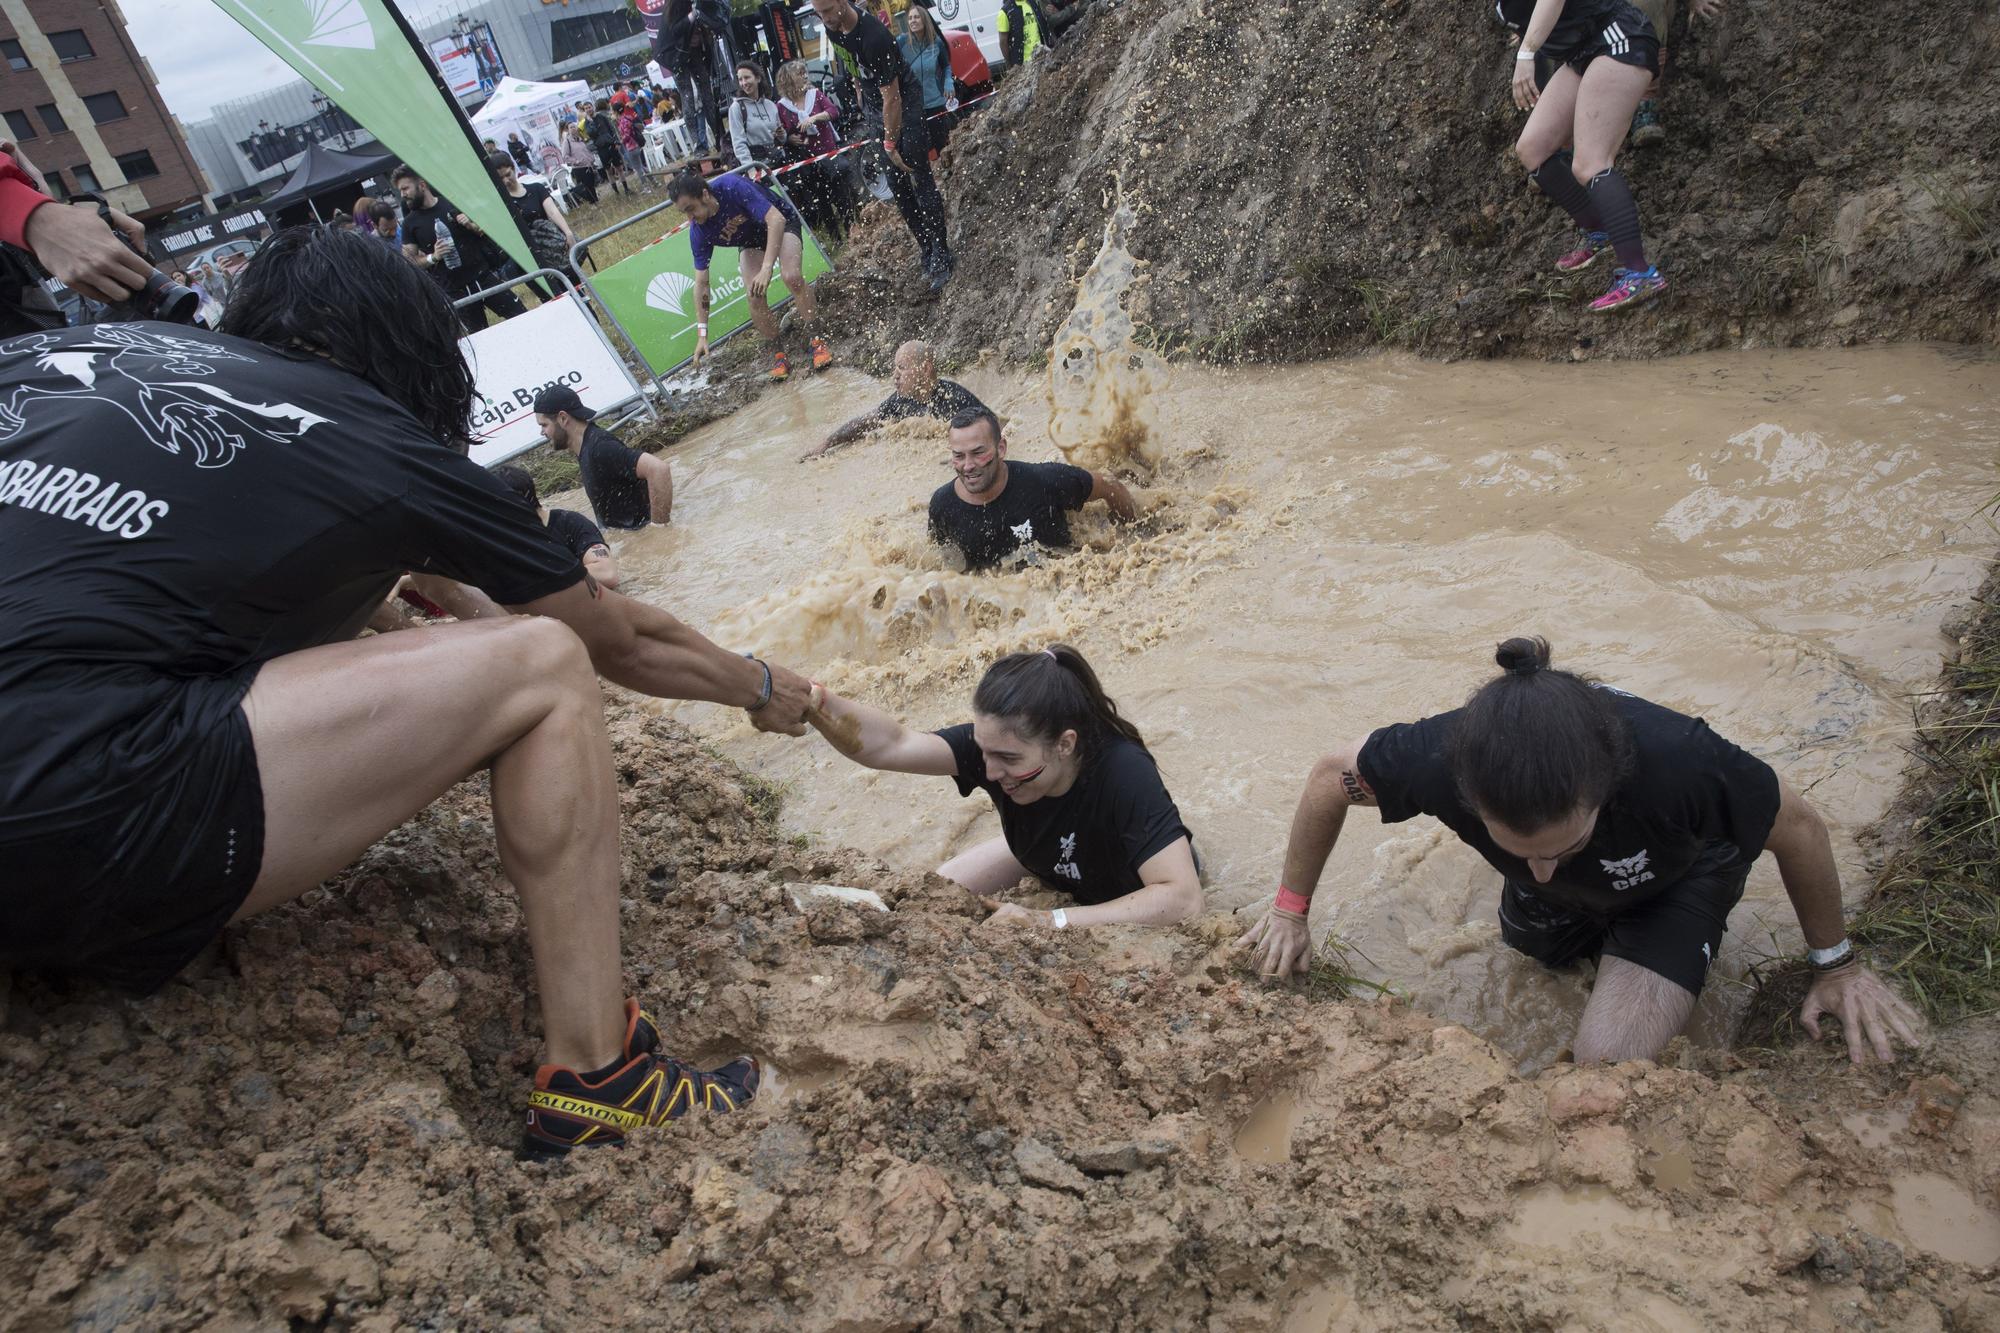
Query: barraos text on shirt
x=80 y=497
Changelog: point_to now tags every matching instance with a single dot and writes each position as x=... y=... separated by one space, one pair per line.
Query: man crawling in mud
x=1624 y=833
x=193 y=528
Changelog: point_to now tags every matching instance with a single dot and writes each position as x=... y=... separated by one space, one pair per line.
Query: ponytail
x=1535 y=745
x=1043 y=694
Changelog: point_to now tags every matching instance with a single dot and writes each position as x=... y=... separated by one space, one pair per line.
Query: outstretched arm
x=1869 y=1012
x=845 y=434
x=873 y=739
x=1112 y=491
x=1281 y=941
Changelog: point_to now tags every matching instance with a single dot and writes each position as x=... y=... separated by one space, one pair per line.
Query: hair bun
x=1523 y=656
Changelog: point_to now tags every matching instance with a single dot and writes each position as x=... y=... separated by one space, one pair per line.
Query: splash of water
x=1101 y=381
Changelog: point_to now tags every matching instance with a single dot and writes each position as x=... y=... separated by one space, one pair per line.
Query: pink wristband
x=1292 y=902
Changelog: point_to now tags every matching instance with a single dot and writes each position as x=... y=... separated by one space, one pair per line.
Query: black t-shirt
x=575 y=531
x=178 y=508
x=947 y=400
x=1090 y=841
x=530 y=205
x=618 y=495
x=874 y=49
x=475 y=252
x=1691 y=793
x=1033 y=510
x=1581 y=22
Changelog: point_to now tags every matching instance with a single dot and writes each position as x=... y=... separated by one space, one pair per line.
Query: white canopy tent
x=532 y=110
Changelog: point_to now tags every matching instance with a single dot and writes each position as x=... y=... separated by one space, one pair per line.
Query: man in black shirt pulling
x=905 y=133
x=211 y=740
x=1623 y=832
x=919 y=392
x=627 y=489
x=994 y=509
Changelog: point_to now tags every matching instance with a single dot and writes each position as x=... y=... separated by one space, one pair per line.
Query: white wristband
x=702 y=329
x=1059 y=919
x=1525 y=54
x=1828 y=958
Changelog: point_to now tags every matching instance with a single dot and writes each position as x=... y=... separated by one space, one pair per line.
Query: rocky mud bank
x=962 y=1126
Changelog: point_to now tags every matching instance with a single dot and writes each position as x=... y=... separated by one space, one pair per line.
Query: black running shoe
x=571 y=1110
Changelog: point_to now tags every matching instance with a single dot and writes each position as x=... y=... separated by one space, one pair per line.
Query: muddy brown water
x=1769 y=539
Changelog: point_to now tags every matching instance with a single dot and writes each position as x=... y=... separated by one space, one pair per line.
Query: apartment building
x=84 y=106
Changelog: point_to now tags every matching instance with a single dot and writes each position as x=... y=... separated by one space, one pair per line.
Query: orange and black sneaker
x=780 y=368
x=822 y=354
x=644 y=1087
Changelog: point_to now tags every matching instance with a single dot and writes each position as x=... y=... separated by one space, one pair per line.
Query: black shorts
x=793 y=227
x=1627 y=37
x=132 y=897
x=1677 y=932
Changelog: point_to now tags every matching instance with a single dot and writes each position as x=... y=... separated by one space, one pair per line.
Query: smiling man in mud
x=1624 y=833
x=993 y=510
x=194 y=733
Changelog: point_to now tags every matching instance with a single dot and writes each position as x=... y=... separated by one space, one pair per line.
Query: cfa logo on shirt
x=1632 y=870
x=1064 y=865
x=1024 y=532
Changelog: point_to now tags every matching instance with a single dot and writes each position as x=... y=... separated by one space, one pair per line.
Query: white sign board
x=458 y=63
x=516 y=359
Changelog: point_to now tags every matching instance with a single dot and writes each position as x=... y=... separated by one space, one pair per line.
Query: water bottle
x=445 y=246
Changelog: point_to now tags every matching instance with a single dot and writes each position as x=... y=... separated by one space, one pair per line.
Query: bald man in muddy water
x=194 y=733
x=1623 y=833
x=994 y=512
x=919 y=392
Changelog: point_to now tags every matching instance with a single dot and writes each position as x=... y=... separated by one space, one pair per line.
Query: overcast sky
x=200 y=55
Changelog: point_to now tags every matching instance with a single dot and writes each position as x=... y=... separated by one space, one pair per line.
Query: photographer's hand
x=80 y=250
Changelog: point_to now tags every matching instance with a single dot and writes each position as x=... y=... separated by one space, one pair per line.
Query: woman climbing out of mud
x=1081 y=804
x=1624 y=832
x=1604 y=54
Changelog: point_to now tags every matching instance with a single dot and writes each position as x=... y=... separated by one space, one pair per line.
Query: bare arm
x=555 y=215
x=846 y=434
x=873 y=739
x=1541 y=23
x=1870 y=1013
x=600 y=564
x=658 y=474
x=1112 y=491
x=1281 y=942
x=641 y=647
x=892 y=111
x=1172 y=892
x=462 y=600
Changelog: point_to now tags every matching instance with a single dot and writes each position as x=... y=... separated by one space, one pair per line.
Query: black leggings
x=916 y=191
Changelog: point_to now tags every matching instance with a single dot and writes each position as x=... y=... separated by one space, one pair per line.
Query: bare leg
x=761 y=317
x=1632 y=1014
x=985 y=869
x=1606 y=97
x=354 y=738
x=1549 y=124
x=792 y=268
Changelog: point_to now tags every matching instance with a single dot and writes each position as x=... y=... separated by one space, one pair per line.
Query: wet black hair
x=495 y=161
x=1535 y=745
x=1044 y=693
x=972 y=416
x=519 y=481
x=689 y=184
x=368 y=310
x=380 y=210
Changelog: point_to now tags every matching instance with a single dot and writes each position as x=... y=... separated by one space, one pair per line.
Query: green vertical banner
x=363 y=56
x=651 y=294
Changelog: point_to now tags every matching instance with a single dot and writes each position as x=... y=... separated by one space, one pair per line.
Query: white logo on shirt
x=1024 y=532
x=1065 y=866
x=1707 y=958
x=175 y=410
x=1632 y=870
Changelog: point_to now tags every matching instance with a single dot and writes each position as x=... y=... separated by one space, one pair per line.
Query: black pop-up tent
x=326 y=171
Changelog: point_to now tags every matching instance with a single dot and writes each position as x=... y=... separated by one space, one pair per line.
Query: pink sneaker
x=1628 y=288
x=1594 y=244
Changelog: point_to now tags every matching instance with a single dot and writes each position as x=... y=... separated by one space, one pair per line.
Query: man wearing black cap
x=627 y=489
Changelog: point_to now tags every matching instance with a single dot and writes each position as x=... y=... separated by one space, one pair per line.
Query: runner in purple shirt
x=731 y=210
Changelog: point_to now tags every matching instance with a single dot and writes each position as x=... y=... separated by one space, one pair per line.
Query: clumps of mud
x=964 y=1126
x=1101 y=380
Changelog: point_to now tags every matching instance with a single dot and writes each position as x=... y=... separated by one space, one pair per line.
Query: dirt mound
x=1317 y=176
x=963 y=1127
